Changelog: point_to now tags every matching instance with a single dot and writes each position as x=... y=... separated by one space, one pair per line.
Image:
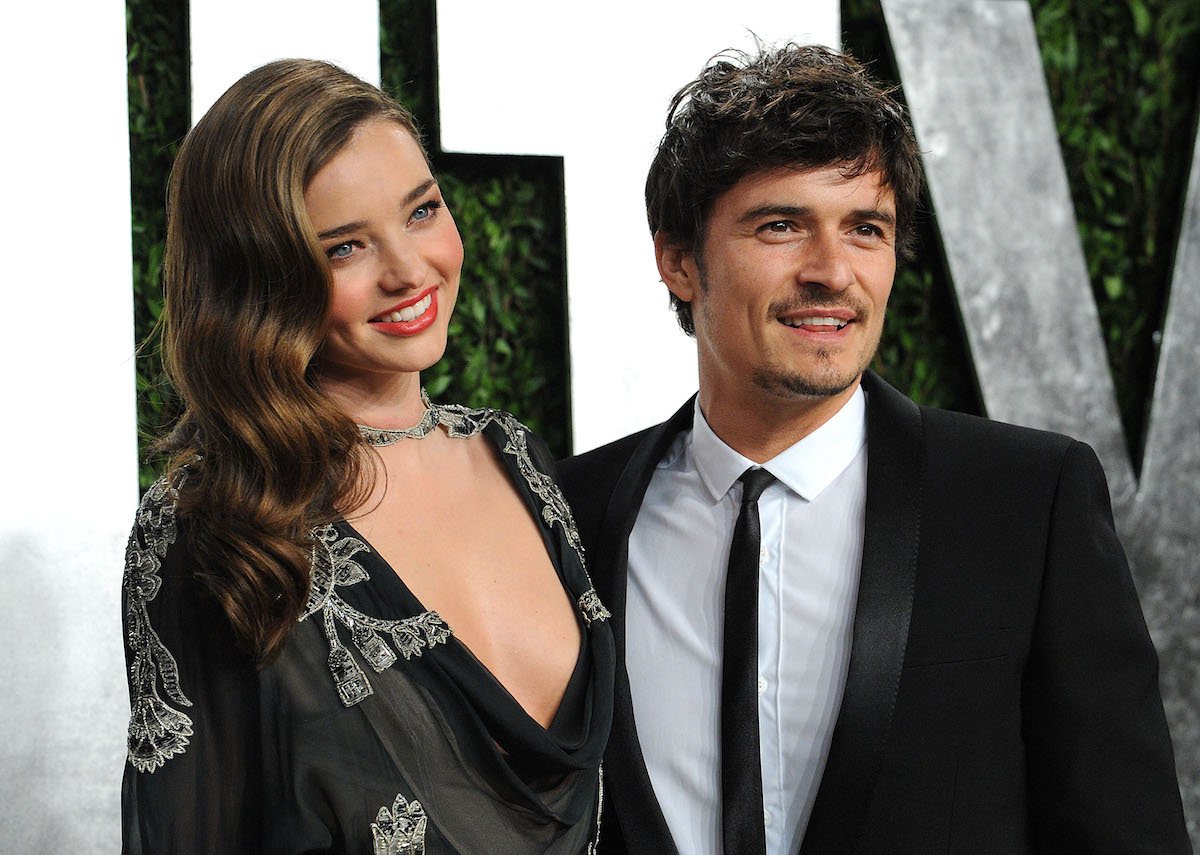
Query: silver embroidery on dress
x=334 y=566
x=554 y=505
x=594 y=846
x=463 y=422
x=591 y=608
x=554 y=508
x=400 y=831
x=157 y=730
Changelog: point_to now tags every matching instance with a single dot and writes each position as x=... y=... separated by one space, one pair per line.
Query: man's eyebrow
x=409 y=197
x=803 y=211
x=873 y=214
x=774 y=211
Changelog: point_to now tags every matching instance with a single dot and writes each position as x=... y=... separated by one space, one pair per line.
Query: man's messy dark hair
x=794 y=107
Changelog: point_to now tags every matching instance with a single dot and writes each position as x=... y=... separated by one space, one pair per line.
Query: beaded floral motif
x=158 y=731
x=463 y=422
x=554 y=505
x=591 y=608
x=334 y=566
x=400 y=831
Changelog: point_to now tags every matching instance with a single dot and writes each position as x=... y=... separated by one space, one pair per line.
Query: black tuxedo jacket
x=1002 y=694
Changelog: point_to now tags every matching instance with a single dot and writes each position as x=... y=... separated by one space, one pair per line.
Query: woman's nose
x=401 y=266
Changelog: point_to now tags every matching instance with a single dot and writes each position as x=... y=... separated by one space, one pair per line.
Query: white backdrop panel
x=591 y=83
x=68 y=437
x=231 y=37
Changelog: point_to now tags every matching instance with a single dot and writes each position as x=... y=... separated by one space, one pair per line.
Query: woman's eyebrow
x=410 y=197
x=342 y=230
x=418 y=191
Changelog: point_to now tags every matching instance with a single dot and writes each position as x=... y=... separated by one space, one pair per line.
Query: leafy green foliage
x=1123 y=81
x=156 y=34
x=507 y=347
x=507 y=344
x=507 y=338
x=923 y=352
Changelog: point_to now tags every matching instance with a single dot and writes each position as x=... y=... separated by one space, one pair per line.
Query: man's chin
x=815 y=386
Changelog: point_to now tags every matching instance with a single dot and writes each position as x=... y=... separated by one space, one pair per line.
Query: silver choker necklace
x=434 y=416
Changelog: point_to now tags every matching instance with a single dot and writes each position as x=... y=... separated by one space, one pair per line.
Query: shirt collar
x=806 y=468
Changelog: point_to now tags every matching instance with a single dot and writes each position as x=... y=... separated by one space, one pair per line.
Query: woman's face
x=395 y=255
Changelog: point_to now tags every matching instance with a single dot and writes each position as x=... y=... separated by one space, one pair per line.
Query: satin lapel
x=640 y=817
x=895 y=482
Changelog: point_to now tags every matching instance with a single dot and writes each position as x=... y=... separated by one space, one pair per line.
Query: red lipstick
x=418 y=324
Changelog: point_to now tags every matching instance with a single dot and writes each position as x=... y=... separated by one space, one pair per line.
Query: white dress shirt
x=812 y=533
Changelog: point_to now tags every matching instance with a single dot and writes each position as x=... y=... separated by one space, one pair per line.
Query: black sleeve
x=1101 y=767
x=192 y=781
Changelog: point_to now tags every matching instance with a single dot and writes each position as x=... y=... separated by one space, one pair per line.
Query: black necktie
x=742 y=828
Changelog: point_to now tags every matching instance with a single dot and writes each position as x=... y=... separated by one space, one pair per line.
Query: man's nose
x=826 y=262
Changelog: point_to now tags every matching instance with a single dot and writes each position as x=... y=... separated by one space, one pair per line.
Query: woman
x=355 y=620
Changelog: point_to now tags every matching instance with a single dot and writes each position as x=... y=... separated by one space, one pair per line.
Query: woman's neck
x=384 y=401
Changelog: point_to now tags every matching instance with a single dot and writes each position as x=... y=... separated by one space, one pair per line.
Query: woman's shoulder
x=156 y=527
x=174 y=629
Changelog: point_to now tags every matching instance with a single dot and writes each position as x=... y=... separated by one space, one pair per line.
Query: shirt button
x=766 y=817
x=764 y=555
x=762 y=685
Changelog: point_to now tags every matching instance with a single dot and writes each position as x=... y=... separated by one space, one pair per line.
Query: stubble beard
x=794 y=385
x=820 y=377
x=818 y=381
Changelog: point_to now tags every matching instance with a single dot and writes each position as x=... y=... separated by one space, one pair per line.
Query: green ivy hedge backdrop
x=1123 y=79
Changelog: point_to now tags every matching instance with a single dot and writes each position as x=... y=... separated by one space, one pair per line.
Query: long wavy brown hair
x=247 y=292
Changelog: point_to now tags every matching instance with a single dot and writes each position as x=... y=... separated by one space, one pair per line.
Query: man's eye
x=342 y=250
x=868 y=230
x=778 y=227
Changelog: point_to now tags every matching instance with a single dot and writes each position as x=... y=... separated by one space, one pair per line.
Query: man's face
x=789 y=288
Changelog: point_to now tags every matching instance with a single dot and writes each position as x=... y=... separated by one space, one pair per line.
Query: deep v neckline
x=396 y=598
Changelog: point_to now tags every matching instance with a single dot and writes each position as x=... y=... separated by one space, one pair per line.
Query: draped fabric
x=376 y=730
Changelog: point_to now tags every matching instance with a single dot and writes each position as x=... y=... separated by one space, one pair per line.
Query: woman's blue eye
x=342 y=250
x=426 y=211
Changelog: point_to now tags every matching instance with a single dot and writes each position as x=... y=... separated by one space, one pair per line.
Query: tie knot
x=754 y=481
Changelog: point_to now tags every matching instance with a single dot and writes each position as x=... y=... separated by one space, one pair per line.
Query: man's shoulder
x=600 y=465
x=975 y=434
x=950 y=432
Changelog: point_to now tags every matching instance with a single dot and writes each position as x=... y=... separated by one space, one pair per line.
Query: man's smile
x=816 y=323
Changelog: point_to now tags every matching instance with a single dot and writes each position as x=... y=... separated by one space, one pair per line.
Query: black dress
x=376 y=730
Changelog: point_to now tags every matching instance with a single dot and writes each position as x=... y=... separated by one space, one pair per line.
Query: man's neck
x=761 y=426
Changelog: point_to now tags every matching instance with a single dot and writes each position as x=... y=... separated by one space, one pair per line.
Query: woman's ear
x=676 y=266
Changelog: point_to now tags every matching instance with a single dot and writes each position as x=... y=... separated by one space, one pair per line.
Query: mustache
x=812 y=296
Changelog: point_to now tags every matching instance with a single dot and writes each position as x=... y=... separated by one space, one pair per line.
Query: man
x=937 y=647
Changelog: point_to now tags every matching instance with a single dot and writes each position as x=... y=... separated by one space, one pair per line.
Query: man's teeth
x=814 y=322
x=408 y=313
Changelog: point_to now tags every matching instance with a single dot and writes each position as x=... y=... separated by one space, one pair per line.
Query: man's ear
x=677 y=267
